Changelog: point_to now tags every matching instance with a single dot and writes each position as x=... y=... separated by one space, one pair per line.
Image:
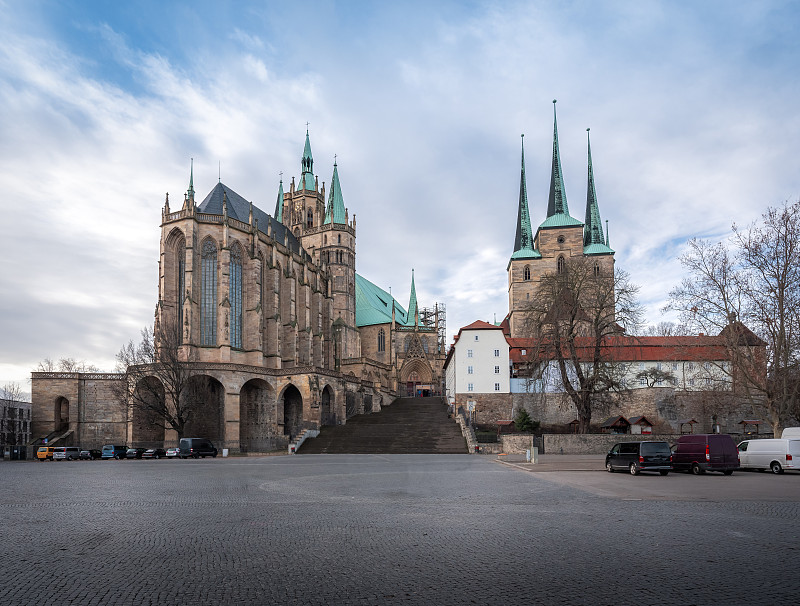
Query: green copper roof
x=560 y=221
x=593 y=227
x=524 y=236
x=557 y=202
x=597 y=249
x=335 y=209
x=526 y=253
x=412 y=303
x=307 y=180
x=279 y=203
x=374 y=305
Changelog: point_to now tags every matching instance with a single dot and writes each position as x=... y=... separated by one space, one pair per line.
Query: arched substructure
x=327 y=413
x=258 y=417
x=147 y=427
x=292 y=412
x=61 y=414
x=204 y=399
x=417 y=376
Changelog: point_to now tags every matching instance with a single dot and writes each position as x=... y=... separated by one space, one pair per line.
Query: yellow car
x=44 y=453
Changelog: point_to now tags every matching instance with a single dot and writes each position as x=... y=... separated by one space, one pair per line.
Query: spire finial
x=219 y=168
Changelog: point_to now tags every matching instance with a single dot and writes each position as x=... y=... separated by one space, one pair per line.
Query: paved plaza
x=390 y=529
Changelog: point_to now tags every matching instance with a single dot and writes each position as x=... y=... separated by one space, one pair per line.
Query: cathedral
x=273 y=320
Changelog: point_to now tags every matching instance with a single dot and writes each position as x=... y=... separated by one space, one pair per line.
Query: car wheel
x=214 y=456
x=728 y=472
x=609 y=468
x=775 y=467
x=634 y=469
x=696 y=469
x=664 y=472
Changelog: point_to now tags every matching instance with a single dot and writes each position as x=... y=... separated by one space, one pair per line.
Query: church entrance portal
x=292 y=412
x=327 y=416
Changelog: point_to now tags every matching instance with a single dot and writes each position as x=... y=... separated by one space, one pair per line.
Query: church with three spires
x=281 y=333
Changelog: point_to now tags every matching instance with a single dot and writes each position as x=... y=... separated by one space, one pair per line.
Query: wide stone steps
x=406 y=426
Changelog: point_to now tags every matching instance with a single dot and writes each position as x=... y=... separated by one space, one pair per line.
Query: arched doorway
x=61 y=414
x=258 y=417
x=327 y=414
x=147 y=424
x=417 y=376
x=203 y=401
x=292 y=412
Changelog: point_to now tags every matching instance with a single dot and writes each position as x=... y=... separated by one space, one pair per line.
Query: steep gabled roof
x=374 y=305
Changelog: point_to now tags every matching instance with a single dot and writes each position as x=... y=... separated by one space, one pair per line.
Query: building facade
x=280 y=332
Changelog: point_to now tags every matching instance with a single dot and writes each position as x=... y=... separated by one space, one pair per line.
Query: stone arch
x=291 y=408
x=258 y=417
x=204 y=396
x=327 y=411
x=415 y=372
x=147 y=425
x=61 y=414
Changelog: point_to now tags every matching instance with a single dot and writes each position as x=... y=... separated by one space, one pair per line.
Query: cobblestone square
x=371 y=529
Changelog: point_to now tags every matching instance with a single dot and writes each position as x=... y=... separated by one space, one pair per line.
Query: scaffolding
x=435 y=318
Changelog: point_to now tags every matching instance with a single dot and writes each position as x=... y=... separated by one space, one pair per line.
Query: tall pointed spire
x=279 y=204
x=190 y=191
x=593 y=226
x=335 y=211
x=412 y=304
x=524 y=237
x=557 y=202
x=307 y=178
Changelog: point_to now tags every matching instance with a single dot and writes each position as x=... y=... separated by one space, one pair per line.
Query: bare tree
x=656 y=376
x=158 y=380
x=747 y=289
x=10 y=423
x=574 y=318
x=66 y=365
x=665 y=329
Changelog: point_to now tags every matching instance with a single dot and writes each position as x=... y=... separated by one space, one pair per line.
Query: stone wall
x=516 y=443
x=593 y=443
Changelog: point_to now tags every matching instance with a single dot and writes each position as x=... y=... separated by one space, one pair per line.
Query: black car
x=196 y=448
x=135 y=453
x=90 y=455
x=640 y=456
x=154 y=453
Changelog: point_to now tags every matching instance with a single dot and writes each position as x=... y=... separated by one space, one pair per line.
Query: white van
x=66 y=453
x=776 y=455
x=791 y=432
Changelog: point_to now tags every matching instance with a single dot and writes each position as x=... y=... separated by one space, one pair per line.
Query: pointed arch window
x=310 y=218
x=596 y=269
x=526 y=273
x=381 y=340
x=208 y=300
x=562 y=265
x=180 y=287
x=235 y=288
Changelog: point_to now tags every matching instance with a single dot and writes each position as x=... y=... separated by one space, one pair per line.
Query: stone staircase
x=406 y=426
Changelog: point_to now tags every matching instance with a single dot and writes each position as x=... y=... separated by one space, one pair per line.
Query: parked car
x=173 y=452
x=702 y=452
x=134 y=453
x=775 y=455
x=90 y=455
x=66 y=453
x=791 y=432
x=113 y=451
x=640 y=456
x=196 y=448
x=154 y=453
x=45 y=453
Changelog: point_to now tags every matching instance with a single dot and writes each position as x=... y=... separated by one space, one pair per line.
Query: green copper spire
x=307 y=179
x=557 y=203
x=412 y=303
x=279 y=204
x=334 y=212
x=524 y=238
x=593 y=227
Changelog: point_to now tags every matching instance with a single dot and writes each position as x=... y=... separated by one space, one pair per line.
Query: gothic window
x=561 y=239
x=340 y=238
x=310 y=218
x=325 y=240
x=561 y=264
x=424 y=344
x=596 y=270
x=208 y=300
x=381 y=340
x=235 y=286
x=407 y=343
x=526 y=273
x=180 y=254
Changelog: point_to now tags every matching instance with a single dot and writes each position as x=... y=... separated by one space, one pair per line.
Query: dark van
x=113 y=451
x=640 y=456
x=196 y=448
x=704 y=452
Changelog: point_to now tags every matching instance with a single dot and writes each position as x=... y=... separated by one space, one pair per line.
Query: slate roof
x=239 y=208
x=374 y=305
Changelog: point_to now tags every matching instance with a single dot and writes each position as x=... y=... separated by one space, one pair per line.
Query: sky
x=692 y=108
